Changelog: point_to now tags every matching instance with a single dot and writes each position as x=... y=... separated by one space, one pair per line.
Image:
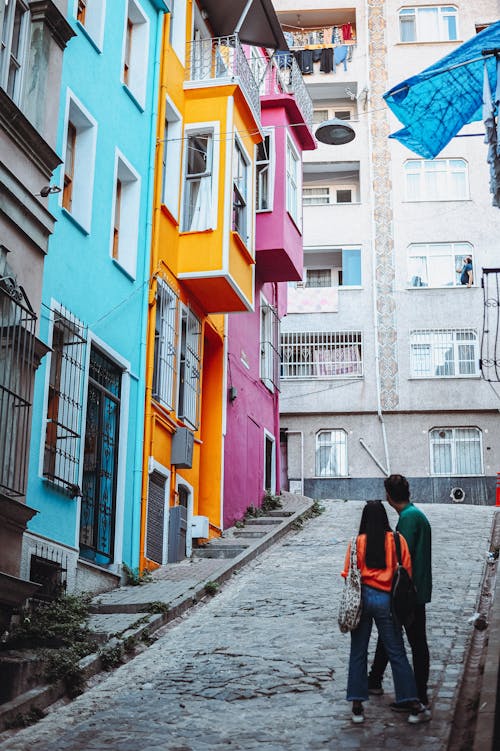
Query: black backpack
x=403 y=592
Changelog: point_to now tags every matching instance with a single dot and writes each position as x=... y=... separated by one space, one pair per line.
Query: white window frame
x=130 y=208
x=270 y=171
x=328 y=112
x=339 y=446
x=172 y=158
x=210 y=175
x=293 y=177
x=139 y=53
x=84 y=162
x=420 y=262
x=421 y=168
x=272 y=439
x=316 y=199
x=434 y=439
x=166 y=349
x=178 y=30
x=243 y=190
x=441 y=29
x=430 y=351
x=6 y=57
x=95 y=15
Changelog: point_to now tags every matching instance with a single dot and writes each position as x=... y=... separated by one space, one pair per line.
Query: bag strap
x=354 y=554
x=398 y=547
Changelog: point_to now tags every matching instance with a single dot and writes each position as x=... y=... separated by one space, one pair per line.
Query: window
x=172 y=150
x=240 y=222
x=269 y=345
x=69 y=167
x=341 y=113
x=197 y=201
x=329 y=194
x=100 y=463
x=428 y=24
x=293 y=181
x=331 y=453
x=78 y=170
x=61 y=458
x=442 y=353
x=13 y=47
x=189 y=367
x=456 y=451
x=165 y=353
x=436 y=180
x=316 y=196
x=320 y=354
x=135 y=52
x=91 y=14
x=436 y=264
x=325 y=267
x=264 y=175
x=318 y=278
x=125 y=224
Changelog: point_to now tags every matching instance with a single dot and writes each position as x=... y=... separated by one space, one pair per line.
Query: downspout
x=144 y=402
x=387 y=468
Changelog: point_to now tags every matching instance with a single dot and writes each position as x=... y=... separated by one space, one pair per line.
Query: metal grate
x=165 y=355
x=189 y=368
x=223 y=58
x=321 y=354
x=269 y=346
x=441 y=353
x=283 y=76
x=155 y=517
x=490 y=341
x=64 y=403
x=48 y=567
x=456 y=451
x=17 y=365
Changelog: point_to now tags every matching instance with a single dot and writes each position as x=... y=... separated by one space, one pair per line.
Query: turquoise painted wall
x=79 y=271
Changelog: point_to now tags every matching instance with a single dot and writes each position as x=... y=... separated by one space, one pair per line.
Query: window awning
x=255 y=21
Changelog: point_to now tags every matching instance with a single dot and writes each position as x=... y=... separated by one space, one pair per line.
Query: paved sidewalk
x=262 y=665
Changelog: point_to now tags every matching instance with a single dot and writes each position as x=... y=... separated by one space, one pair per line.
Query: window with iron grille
x=321 y=354
x=189 y=368
x=444 y=353
x=240 y=193
x=269 y=345
x=318 y=278
x=165 y=355
x=331 y=453
x=64 y=401
x=17 y=366
x=456 y=451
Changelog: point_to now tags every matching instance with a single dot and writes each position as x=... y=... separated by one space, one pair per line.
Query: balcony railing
x=283 y=76
x=222 y=59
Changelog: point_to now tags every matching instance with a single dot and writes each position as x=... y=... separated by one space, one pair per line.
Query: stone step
x=218 y=551
x=250 y=533
x=261 y=520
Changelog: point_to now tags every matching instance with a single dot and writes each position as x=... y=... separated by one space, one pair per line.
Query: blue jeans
x=377 y=607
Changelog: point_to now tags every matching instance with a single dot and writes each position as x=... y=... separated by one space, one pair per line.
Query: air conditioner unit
x=182 y=448
x=199 y=526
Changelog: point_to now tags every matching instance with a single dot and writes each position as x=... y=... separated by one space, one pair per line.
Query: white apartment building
x=381 y=345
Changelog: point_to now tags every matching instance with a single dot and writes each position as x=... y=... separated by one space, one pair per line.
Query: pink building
x=252 y=441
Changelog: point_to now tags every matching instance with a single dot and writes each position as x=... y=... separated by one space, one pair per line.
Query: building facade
x=252 y=448
x=88 y=414
x=34 y=37
x=202 y=262
x=380 y=347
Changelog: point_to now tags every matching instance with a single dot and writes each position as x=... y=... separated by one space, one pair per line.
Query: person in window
x=415 y=528
x=466 y=275
x=377 y=561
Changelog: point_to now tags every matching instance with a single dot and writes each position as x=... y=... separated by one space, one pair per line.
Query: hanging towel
x=326 y=64
x=346 y=32
x=340 y=56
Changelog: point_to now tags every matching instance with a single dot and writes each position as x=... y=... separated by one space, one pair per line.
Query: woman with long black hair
x=377 y=561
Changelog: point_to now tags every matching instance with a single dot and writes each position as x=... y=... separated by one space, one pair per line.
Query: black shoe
x=358 y=715
x=402 y=706
x=422 y=714
x=376 y=690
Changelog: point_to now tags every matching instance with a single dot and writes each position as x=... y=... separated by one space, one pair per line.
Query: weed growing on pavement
x=134 y=577
x=130 y=643
x=140 y=622
x=316 y=510
x=239 y=524
x=63 y=664
x=157 y=606
x=253 y=512
x=270 y=502
x=25 y=719
x=111 y=657
x=211 y=588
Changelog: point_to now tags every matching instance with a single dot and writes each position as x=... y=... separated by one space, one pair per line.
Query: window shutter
x=155 y=517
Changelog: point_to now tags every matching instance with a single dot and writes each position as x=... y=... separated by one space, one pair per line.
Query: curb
x=41 y=697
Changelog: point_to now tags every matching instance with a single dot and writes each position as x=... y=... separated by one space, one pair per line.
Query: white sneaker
x=423 y=715
x=358 y=715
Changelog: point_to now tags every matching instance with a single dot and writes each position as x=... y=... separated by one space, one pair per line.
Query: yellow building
x=202 y=260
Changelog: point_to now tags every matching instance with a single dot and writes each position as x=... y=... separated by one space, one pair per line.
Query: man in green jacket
x=415 y=528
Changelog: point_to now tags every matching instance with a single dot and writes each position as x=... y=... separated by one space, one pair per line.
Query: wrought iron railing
x=17 y=366
x=321 y=354
x=283 y=76
x=219 y=58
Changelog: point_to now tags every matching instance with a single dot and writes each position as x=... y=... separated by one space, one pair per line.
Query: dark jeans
x=417 y=639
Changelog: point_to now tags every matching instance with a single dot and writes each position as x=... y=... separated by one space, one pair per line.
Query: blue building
x=88 y=413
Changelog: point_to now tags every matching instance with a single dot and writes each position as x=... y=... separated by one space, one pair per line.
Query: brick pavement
x=263 y=666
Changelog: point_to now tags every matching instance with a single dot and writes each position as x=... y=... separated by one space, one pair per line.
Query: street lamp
x=335 y=132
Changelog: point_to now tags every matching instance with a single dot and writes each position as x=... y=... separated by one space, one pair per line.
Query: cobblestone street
x=263 y=665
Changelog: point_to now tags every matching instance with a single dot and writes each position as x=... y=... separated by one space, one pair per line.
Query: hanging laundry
x=326 y=64
x=317 y=55
x=336 y=35
x=340 y=56
x=490 y=108
x=289 y=38
x=346 y=32
x=304 y=61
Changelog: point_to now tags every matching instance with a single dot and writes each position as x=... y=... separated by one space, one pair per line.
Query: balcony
x=221 y=61
x=283 y=78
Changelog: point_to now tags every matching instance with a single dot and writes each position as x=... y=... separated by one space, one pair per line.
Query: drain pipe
x=301 y=433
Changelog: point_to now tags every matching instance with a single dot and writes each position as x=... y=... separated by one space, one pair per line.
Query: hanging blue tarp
x=436 y=103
